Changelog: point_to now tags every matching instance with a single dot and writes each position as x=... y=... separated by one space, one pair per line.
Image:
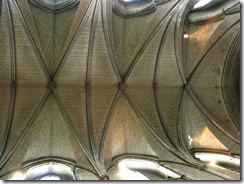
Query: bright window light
x=130 y=169
x=185 y=35
x=43 y=170
x=201 y=3
x=127 y=173
x=49 y=171
x=50 y=177
x=190 y=139
x=18 y=176
x=226 y=161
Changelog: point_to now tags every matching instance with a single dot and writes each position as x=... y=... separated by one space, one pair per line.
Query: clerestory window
x=49 y=177
x=215 y=159
x=140 y=169
x=201 y=4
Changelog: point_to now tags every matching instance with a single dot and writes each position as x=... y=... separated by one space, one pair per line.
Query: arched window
x=52 y=168
x=201 y=4
x=226 y=161
x=49 y=177
x=141 y=169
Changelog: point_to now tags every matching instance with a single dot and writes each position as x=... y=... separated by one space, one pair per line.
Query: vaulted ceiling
x=93 y=81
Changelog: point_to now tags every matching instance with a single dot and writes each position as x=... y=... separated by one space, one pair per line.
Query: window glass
x=138 y=169
x=201 y=4
x=226 y=161
x=50 y=177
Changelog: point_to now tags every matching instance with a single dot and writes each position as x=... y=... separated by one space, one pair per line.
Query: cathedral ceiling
x=91 y=81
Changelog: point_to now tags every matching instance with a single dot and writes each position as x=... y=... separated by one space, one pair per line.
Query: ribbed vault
x=91 y=81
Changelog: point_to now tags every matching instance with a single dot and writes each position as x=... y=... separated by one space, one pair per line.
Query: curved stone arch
x=230 y=78
x=211 y=11
x=144 y=167
x=51 y=166
x=53 y=5
x=131 y=8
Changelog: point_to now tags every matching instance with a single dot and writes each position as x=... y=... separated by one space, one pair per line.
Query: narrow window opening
x=201 y=4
